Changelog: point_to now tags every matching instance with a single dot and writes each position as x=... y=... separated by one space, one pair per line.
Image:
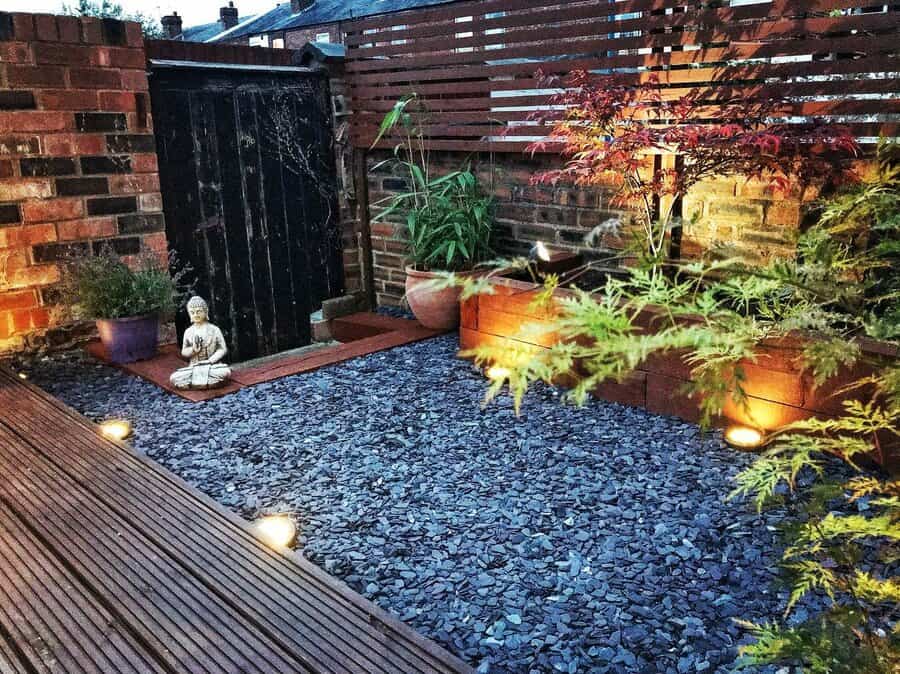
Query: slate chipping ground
x=566 y=540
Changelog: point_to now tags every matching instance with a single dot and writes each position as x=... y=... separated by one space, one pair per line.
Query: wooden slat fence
x=474 y=62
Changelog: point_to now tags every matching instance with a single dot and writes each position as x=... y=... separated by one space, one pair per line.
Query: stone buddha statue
x=204 y=346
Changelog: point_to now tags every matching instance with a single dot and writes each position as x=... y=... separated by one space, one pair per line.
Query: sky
x=193 y=11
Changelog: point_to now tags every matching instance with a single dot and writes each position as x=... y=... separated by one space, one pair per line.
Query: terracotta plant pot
x=435 y=309
x=129 y=339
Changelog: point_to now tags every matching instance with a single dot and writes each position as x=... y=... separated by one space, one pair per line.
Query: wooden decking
x=109 y=563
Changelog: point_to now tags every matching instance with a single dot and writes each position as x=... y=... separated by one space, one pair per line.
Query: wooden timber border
x=778 y=391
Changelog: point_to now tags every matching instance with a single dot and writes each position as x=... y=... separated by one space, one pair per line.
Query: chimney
x=171 y=26
x=300 y=5
x=228 y=16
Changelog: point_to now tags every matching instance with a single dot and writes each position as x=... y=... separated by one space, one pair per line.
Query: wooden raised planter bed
x=778 y=391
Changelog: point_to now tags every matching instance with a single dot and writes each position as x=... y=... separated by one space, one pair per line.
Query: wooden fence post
x=361 y=189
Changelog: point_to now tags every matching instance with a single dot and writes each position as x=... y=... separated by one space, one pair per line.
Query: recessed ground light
x=23 y=375
x=744 y=437
x=539 y=251
x=116 y=429
x=277 y=531
x=495 y=372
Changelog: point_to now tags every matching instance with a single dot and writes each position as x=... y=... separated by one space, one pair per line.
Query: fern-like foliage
x=843 y=284
x=823 y=646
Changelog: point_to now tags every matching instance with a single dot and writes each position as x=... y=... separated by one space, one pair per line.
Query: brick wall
x=746 y=215
x=296 y=39
x=733 y=212
x=78 y=165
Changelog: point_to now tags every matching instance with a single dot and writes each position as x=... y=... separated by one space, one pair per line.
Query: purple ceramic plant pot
x=129 y=339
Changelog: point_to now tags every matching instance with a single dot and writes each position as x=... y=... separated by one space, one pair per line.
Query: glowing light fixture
x=116 y=429
x=496 y=372
x=23 y=375
x=277 y=531
x=539 y=251
x=744 y=437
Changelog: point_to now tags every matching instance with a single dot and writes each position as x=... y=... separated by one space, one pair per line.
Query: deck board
x=183 y=581
x=94 y=467
x=161 y=601
x=39 y=600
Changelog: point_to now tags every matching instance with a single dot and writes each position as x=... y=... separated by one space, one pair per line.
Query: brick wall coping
x=165 y=63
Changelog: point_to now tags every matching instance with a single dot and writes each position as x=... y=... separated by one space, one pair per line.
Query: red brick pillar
x=78 y=165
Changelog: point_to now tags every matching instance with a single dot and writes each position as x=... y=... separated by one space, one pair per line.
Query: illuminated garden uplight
x=744 y=437
x=539 y=251
x=278 y=531
x=116 y=429
x=497 y=372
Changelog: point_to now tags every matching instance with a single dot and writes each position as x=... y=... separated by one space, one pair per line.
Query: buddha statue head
x=198 y=309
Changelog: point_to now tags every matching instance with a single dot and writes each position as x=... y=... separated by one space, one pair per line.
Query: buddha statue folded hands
x=204 y=346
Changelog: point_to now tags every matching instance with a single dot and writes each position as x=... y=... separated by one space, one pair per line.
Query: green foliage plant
x=106 y=9
x=839 y=289
x=447 y=218
x=105 y=287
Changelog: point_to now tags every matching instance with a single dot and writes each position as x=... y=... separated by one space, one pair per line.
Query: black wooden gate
x=249 y=192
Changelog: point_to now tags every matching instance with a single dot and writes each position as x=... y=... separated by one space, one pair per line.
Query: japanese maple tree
x=611 y=126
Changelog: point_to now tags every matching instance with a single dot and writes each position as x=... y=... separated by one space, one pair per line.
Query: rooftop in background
x=322 y=12
x=228 y=20
x=203 y=32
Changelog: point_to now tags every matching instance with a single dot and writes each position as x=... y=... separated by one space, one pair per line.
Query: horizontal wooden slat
x=697 y=70
x=784 y=48
x=851 y=110
x=684 y=84
x=542 y=15
x=442 y=13
x=852 y=47
x=534 y=32
x=592 y=35
x=555 y=57
x=501 y=119
x=869 y=131
x=709 y=113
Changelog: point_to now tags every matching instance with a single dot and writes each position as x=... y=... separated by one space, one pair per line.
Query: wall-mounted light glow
x=495 y=372
x=23 y=375
x=744 y=437
x=116 y=429
x=277 y=531
x=540 y=252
